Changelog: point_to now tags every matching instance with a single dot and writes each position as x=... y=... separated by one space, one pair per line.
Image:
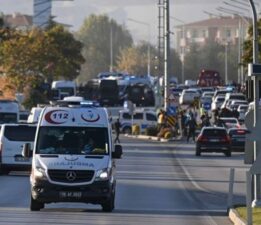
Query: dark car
x=213 y=139
x=238 y=136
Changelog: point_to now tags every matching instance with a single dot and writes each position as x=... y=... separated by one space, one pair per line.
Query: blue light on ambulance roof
x=87 y=103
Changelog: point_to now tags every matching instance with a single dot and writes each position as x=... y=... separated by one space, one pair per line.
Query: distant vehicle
x=111 y=75
x=140 y=94
x=63 y=88
x=229 y=122
x=235 y=96
x=208 y=94
x=238 y=138
x=9 y=111
x=108 y=92
x=12 y=138
x=144 y=118
x=209 y=78
x=23 y=116
x=190 y=83
x=213 y=139
x=217 y=102
x=188 y=96
x=90 y=90
x=222 y=91
x=242 y=109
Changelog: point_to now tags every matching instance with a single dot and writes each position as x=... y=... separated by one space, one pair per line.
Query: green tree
x=211 y=56
x=95 y=34
x=134 y=60
x=33 y=56
x=248 y=45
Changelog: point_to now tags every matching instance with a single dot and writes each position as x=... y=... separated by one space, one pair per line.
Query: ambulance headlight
x=103 y=174
x=38 y=173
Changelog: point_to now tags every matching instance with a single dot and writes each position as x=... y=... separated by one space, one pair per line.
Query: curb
x=234 y=217
x=145 y=137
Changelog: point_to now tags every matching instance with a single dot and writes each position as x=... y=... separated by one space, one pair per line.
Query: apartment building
x=223 y=30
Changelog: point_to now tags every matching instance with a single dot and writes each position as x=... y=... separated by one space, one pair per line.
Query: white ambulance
x=73 y=157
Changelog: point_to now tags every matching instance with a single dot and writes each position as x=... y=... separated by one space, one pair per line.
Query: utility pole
x=257 y=198
x=166 y=53
x=161 y=15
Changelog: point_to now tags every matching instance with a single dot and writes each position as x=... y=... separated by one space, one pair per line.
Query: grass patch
x=242 y=211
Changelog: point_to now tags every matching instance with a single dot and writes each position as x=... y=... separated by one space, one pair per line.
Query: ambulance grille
x=71 y=176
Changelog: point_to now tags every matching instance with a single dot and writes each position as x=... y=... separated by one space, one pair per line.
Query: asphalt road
x=157 y=184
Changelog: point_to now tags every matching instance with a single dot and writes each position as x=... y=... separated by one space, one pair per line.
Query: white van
x=144 y=118
x=65 y=168
x=12 y=138
x=65 y=88
x=9 y=111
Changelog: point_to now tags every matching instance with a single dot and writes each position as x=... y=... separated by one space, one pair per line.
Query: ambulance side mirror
x=117 y=152
x=27 y=152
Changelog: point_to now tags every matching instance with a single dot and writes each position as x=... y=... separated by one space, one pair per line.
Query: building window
x=228 y=33
x=204 y=33
x=194 y=33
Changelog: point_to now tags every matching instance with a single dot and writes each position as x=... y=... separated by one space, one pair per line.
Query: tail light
x=202 y=138
x=225 y=139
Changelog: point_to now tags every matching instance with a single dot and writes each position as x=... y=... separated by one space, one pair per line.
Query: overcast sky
x=74 y=12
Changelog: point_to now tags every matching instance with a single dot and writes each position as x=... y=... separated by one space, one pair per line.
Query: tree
x=134 y=60
x=33 y=56
x=95 y=34
x=211 y=56
x=248 y=46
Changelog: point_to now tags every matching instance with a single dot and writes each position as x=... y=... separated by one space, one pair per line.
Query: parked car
x=144 y=118
x=238 y=136
x=213 y=139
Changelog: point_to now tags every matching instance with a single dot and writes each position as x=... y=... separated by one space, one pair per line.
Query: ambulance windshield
x=73 y=140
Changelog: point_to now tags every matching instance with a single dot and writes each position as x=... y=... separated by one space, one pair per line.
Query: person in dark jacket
x=117 y=127
x=191 y=128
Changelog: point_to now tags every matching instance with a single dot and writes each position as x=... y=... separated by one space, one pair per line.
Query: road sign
x=207 y=106
x=172 y=111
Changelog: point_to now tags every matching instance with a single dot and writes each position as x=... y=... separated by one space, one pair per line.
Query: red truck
x=209 y=78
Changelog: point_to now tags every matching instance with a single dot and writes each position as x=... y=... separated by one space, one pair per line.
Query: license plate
x=21 y=159
x=213 y=140
x=240 y=139
x=70 y=194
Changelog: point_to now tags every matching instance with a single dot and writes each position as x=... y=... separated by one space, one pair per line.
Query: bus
x=209 y=78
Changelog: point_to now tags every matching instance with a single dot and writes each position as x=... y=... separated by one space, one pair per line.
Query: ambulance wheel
x=108 y=205
x=36 y=205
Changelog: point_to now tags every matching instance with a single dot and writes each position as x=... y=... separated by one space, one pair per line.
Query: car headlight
x=38 y=173
x=103 y=174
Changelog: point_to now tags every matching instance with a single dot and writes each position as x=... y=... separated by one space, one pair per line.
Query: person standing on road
x=191 y=128
x=117 y=126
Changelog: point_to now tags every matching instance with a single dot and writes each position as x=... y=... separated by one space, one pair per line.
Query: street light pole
x=226 y=74
x=149 y=35
x=257 y=198
x=166 y=54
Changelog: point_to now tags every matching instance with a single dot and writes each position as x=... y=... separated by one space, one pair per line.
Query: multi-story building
x=42 y=13
x=220 y=29
x=17 y=21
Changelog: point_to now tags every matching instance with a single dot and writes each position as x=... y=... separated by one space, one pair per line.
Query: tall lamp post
x=257 y=198
x=149 y=34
